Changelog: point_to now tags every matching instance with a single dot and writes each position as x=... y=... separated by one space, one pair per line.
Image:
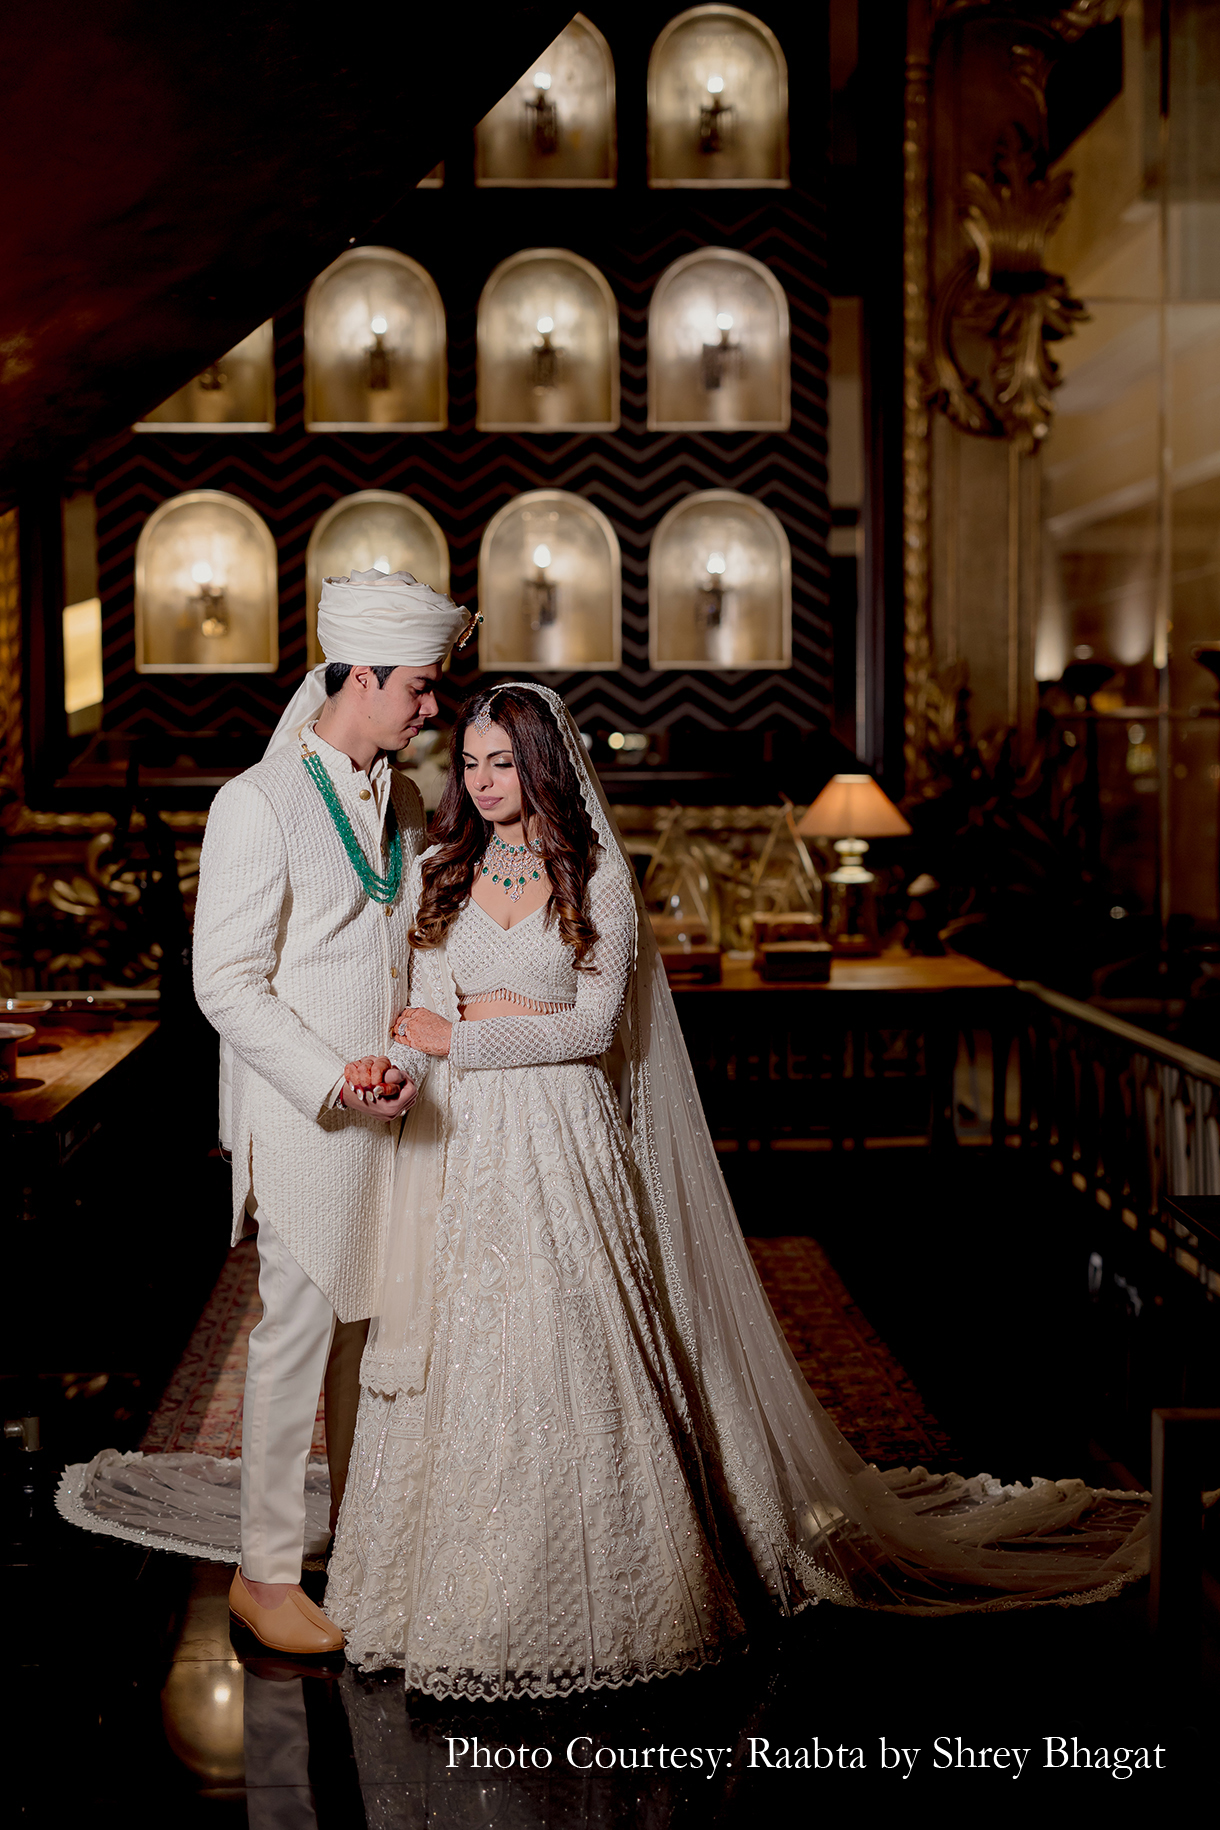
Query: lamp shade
x=852 y=807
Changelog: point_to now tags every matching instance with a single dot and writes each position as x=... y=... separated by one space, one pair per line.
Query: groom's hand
x=376 y=1088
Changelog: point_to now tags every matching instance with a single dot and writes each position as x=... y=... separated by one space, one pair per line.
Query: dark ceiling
x=173 y=174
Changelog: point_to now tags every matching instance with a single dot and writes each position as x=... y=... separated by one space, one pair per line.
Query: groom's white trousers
x=295 y=1349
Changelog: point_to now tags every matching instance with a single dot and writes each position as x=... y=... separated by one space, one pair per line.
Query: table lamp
x=851 y=810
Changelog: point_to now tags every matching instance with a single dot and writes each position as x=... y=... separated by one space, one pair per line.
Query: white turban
x=373 y=619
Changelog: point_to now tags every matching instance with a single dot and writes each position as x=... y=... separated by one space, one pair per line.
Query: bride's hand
x=373 y=1086
x=424 y=1030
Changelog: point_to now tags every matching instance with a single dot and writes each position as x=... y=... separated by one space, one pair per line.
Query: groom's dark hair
x=337 y=672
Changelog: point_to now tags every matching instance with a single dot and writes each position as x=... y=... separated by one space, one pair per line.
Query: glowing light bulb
x=542 y=557
x=221 y=1693
x=541 y=80
x=546 y=325
x=381 y=564
x=724 y=320
x=715 y=85
x=715 y=563
x=201 y=572
x=378 y=326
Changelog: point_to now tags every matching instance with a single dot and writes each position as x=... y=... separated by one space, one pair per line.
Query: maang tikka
x=482 y=719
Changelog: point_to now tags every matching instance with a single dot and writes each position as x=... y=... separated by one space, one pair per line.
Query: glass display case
x=720 y=585
x=373 y=530
x=236 y=393
x=547 y=346
x=717 y=103
x=550 y=586
x=556 y=126
x=375 y=346
x=207 y=598
x=718 y=346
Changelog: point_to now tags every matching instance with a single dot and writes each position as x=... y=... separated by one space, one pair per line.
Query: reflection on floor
x=130 y=1700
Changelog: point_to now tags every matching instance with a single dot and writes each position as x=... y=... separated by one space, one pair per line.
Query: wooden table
x=871 y=1053
x=62 y=1096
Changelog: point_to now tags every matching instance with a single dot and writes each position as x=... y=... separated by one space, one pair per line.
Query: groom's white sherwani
x=301 y=971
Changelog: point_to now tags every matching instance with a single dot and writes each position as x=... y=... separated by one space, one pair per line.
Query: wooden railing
x=1131 y=1119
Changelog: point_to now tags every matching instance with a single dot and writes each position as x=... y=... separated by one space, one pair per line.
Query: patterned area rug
x=852 y=1372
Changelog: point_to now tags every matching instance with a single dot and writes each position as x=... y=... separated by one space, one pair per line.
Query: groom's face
x=397 y=711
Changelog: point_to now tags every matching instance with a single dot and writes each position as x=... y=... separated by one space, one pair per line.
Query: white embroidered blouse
x=558 y=1013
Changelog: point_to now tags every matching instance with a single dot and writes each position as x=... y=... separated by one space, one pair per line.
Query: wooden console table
x=871 y=1053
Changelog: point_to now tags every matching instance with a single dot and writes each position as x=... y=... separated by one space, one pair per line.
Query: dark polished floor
x=128 y=1700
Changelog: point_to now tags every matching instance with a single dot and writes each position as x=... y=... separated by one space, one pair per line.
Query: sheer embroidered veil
x=818 y=1523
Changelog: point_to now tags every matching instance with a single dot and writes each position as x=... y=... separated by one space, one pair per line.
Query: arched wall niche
x=375 y=528
x=375 y=346
x=548 y=346
x=556 y=126
x=720 y=585
x=717 y=103
x=550 y=586
x=236 y=393
x=718 y=346
x=207 y=599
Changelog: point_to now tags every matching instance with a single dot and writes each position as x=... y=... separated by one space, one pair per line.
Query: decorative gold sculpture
x=556 y=126
x=236 y=393
x=720 y=585
x=206 y=588
x=718 y=346
x=548 y=346
x=717 y=103
x=1000 y=293
x=550 y=586
x=375 y=346
x=372 y=530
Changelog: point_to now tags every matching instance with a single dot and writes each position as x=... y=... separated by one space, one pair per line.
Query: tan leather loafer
x=295 y=1626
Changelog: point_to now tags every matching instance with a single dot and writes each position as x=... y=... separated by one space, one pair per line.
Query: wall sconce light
x=719 y=585
x=541 y=603
x=547 y=346
x=236 y=393
x=374 y=346
x=379 y=357
x=851 y=810
x=717 y=102
x=556 y=125
x=549 y=586
x=715 y=118
x=718 y=353
x=710 y=606
x=548 y=358
x=723 y=358
x=209 y=603
x=206 y=588
x=542 y=119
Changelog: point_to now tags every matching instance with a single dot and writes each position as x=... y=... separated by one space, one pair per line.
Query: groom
x=300 y=944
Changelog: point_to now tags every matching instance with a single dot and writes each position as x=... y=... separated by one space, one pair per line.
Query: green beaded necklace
x=507 y=871
x=380 y=889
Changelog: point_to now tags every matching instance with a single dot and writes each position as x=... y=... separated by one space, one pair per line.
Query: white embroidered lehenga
x=584 y=1447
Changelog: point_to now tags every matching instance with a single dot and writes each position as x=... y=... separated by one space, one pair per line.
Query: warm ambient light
x=724 y=320
x=381 y=563
x=546 y=326
x=853 y=807
x=201 y=572
x=379 y=326
x=542 y=557
x=715 y=562
x=541 y=80
x=715 y=85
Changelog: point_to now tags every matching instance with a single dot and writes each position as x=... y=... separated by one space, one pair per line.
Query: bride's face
x=491 y=775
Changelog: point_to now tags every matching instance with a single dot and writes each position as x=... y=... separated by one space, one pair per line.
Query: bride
x=584 y=1452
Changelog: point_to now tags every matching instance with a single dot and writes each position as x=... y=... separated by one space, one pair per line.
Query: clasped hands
x=373 y=1082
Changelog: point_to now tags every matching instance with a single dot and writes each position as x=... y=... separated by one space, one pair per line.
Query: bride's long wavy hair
x=553 y=810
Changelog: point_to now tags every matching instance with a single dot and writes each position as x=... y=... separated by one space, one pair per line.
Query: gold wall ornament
x=998 y=310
